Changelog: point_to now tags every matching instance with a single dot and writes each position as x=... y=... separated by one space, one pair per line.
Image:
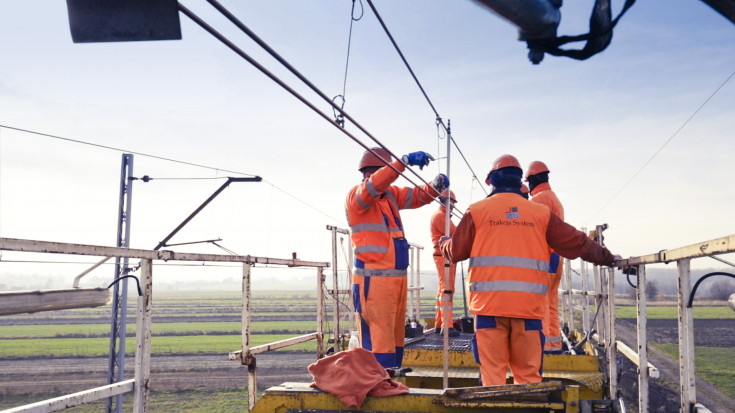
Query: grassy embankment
x=714 y=364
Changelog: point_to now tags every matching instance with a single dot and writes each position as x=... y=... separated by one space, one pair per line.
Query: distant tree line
x=662 y=283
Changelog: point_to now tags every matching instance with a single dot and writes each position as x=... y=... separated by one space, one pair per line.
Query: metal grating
x=432 y=341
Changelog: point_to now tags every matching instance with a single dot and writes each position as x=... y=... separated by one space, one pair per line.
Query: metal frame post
x=568 y=298
x=335 y=292
x=584 y=270
x=447 y=268
x=566 y=308
x=143 y=339
x=119 y=318
x=599 y=295
x=612 y=366
x=411 y=285
x=417 y=292
x=247 y=358
x=320 y=313
x=413 y=295
x=642 y=341
x=687 y=384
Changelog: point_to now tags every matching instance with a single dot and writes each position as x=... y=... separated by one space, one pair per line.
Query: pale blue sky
x=595 y=123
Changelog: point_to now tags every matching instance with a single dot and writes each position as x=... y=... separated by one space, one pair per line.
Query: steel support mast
x=116 y=368
x=447 y=323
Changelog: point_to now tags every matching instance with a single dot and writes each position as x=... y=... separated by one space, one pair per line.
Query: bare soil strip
x=169 y=373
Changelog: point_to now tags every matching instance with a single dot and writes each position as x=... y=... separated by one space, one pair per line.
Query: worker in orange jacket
x=438 y=229
x=537 y=176
x=379 y=284
x=507 y=240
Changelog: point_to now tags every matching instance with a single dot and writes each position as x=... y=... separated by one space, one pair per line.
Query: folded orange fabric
x=350 y=375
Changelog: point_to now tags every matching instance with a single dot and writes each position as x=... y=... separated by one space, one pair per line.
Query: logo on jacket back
x=512 y=213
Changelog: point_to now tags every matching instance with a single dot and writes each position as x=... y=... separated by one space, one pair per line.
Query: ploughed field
x=48 y=354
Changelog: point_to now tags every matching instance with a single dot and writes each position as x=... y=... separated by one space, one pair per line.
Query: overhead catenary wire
x=112 y=148
x=234 y=20
x=81 y=142
x=204 y=25
x=645 y=164
x=338 y=117
x=439 y=120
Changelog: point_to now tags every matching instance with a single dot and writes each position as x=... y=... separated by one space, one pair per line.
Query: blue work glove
x=440 y=183
x=419 y=159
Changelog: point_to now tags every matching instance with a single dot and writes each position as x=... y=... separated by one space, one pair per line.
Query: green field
x=163 y=345
x=184 y=328
x=714 y=364
x=671 y=312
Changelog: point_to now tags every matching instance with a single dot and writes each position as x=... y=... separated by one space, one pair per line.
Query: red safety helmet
x=451 y=195
x=536 y=167
x=503 y=161
x=369 y=159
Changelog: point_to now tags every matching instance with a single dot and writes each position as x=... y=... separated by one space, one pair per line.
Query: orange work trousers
x=380 y=312
x=439 y=316
x=551 y=316
x=500 y=342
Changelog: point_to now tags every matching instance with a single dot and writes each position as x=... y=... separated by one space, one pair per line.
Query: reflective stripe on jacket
x=377 y=236
x=509 y=258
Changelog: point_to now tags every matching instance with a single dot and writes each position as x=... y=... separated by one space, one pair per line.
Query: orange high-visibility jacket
x=438 y=227
x=377 y=231
x=543 y=194
x=509 y=259
x=562 y=237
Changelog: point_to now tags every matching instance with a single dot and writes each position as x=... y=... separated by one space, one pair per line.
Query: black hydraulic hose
x=699 y=281
x=137 y=283
x=627 y=276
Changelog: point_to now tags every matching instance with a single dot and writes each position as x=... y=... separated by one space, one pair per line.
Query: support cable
x=439 y=120
x=123 y=150
x=338 y=116
x=144 y=179
x=196 y=19
x=645 y=164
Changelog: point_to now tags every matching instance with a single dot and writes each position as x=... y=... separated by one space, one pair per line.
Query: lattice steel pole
x=116 y=365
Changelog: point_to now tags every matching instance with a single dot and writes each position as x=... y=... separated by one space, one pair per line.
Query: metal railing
x=414 y=283
x=413 y=305
x=140 y=385
x=604 y=323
